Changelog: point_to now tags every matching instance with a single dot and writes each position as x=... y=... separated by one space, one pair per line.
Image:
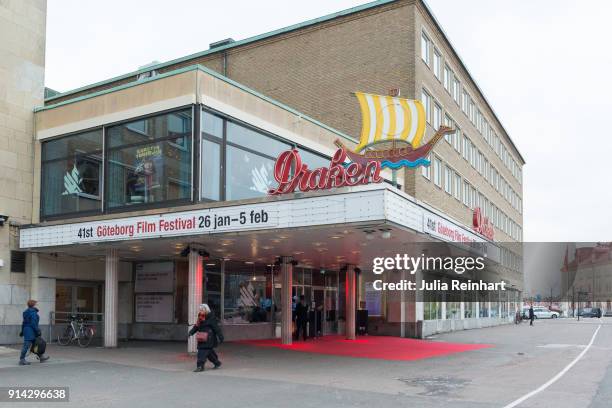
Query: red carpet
x=374 y=347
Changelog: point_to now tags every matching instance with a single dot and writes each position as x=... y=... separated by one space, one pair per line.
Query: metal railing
x=59 y=320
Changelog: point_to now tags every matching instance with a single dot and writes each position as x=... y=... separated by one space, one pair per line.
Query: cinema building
x=152 y=191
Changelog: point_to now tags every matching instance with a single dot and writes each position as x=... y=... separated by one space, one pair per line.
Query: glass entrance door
x=77 y=298
x=330 y=321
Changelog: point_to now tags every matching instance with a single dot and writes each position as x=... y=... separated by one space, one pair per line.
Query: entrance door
x=318 y=301
x=330 y=308
x=77 y=298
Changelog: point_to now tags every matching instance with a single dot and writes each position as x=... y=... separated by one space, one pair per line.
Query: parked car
x=608 y=313
x=540 y=312
x=590 y=312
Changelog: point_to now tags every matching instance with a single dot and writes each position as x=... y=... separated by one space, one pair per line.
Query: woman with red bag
x=208 y=335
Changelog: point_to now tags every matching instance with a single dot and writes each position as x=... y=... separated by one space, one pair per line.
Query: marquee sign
x=291 y=173
x=482 y=224
x=203 y=221
x=447 y=231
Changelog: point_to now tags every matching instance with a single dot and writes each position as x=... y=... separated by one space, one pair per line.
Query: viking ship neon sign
x=397 y=127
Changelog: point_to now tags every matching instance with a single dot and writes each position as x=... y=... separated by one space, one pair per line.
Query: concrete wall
x=431 y=327
x=22 y=61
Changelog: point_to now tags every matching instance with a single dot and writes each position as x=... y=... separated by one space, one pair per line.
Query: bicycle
x=83 y=333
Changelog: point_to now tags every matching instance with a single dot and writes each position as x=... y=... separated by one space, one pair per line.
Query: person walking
x=301 y=317
x=208 y=335
x=531 y=315
x=30 y=331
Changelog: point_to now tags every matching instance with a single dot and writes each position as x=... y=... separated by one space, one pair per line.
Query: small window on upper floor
x=426 y=170
x=426 y=99
x=437 y=116
x=437 y=64
x=456 y=89
x=425 y=48
x=437 y=171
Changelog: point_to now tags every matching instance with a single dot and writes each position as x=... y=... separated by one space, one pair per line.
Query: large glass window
x=250 y=158
x=72 y=174
x=238 y=161
x=248 y=174
x=149 y=160
x=247 y=293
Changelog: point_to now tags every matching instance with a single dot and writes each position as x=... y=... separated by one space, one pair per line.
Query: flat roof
x=197 y=67
x=284 y=30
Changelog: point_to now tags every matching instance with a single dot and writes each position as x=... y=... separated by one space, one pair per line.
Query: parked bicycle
x=78 y=330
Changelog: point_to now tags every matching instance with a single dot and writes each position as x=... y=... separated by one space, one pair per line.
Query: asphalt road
x=525 y=362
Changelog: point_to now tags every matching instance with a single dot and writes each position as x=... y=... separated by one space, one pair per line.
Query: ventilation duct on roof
x=147 y=74
x=220 y=43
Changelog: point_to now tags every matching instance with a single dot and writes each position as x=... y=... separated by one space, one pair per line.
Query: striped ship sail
x=389 y=119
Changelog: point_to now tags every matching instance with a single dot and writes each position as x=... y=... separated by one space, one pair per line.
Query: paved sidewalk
x=159 y=374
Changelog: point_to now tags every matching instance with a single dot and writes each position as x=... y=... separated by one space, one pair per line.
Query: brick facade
x=315 y=68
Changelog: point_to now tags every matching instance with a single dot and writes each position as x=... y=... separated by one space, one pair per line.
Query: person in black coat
x=301 y=318
x=30 y=331
x=208 y=327
x=531 y=315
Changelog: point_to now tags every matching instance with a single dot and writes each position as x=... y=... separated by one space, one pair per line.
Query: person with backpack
x=30 y=332
x=208 y=335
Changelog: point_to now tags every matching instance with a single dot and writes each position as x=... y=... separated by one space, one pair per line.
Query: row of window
x=465 y=147
x=433 y=58
x=150 y=163
x=439 y=306
x=456 y=186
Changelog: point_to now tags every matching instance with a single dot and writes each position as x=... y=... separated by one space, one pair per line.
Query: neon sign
x=291 y=173
x=482 y=224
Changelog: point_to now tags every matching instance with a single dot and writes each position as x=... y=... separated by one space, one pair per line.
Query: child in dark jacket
x=209 y=336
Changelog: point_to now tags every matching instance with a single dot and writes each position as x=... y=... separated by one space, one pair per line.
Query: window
x=426 y=170
x=472 y=197
x=472 y=111
x=437 y=170
x=210 y=156
x=250 y=158
x=18 y=261
x=448 y=121
x=456 y=89
x=465 y=106
x=210 y=186
x=448 y=180
x=457 y=139
x=437 y=116
x=425 y=48
x=426 y=99
x=447 y=78
x=150 y=166
x=246 y=299
x=71 y=174
x=437 y=64
x=467 y=147
x=457 y=187
x=212 y=125
x=466 y=193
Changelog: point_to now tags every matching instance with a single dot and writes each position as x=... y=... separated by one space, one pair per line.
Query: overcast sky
x=545 y=66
